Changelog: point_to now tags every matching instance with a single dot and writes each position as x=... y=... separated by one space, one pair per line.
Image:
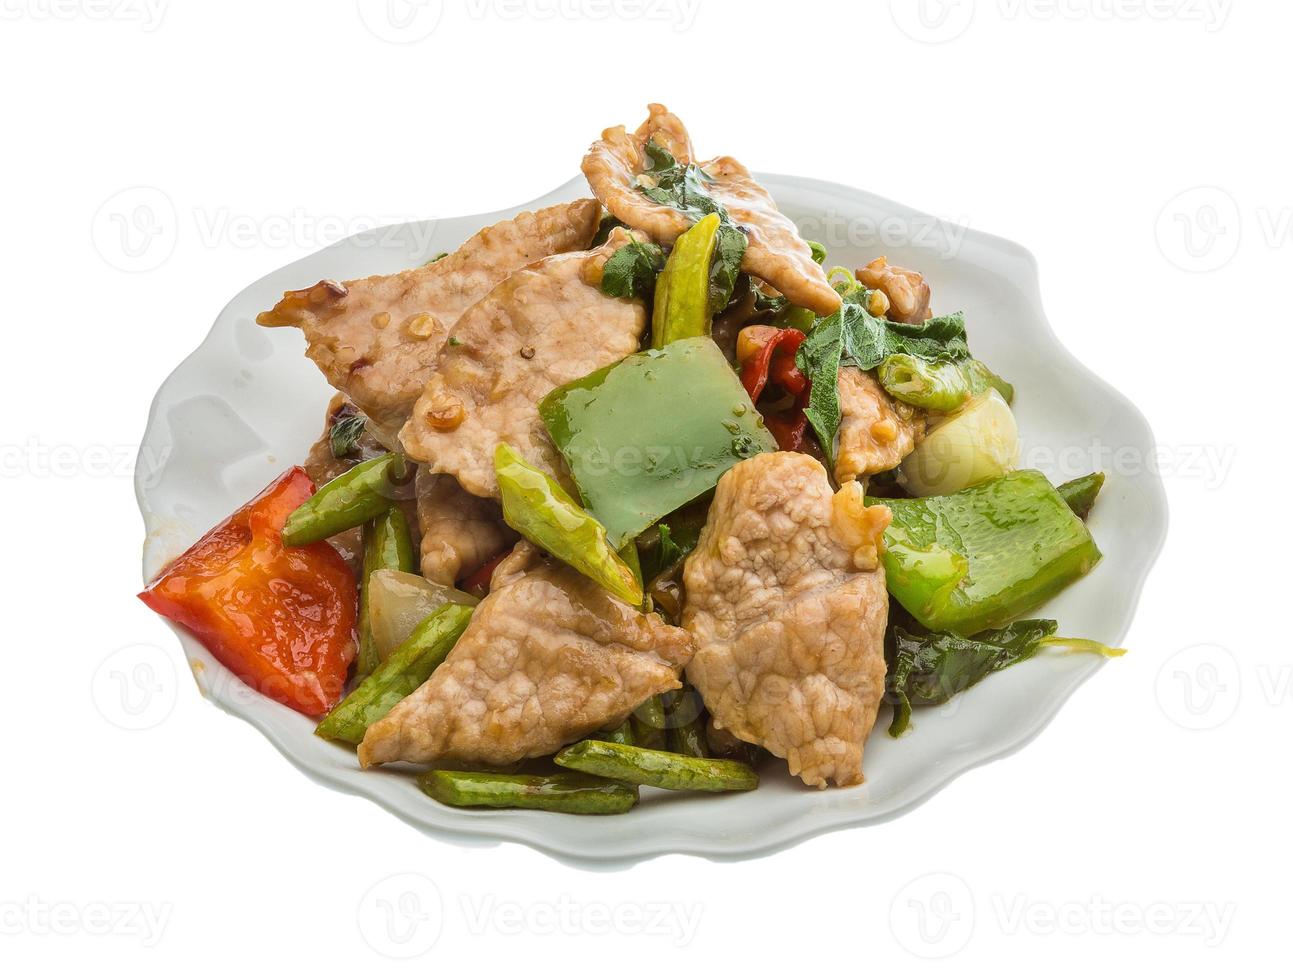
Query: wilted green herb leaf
x=632 y=270
x=930 y=668
x=853 y=337
x=344 y=436
x=607 y=225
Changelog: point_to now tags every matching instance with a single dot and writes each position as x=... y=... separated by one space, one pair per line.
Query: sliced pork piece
x=876 y=431
x=375 y=339
x=324 y=467
x=906 y=292
x=549 y=657
x=460 y=532
x=786 y=600
x=544 y=326
x=775 y=254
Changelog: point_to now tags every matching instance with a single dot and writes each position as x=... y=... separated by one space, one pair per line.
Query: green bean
x=358 y=495
x=649 y=723
x=387 y=544
x=683 y=712
x=404 y=671
x=562 y=792
x=650 y=767
x=1080 y=494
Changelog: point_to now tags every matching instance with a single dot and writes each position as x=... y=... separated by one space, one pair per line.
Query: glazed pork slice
x=542 y=327
x=615 y=164
x=460 y=532
x=786 y=600
x=905 y=291
x=375 y=339
x=548 y=658
x=876 y=431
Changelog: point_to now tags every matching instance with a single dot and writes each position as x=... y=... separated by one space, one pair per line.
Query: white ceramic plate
x=247 y=404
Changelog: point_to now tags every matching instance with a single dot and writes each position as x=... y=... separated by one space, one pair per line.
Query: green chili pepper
x=561 y=793
x=654 y=432
x=404 y=671
x=649 y=767
x=649 y=724
x=682 y=289
x=983 y=556
x=938 y=386
x=1080 y=494
x=536 y=507
x=358 y=495
x=387 y=544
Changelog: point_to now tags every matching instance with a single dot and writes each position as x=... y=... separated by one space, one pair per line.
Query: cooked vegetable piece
x=632 y=270
x=729 y=250
x=653 y=432
x=620 y=735
x=358 y=495
x=683 y=713
x=649 y=722
x=387 y=545
x=930 y=668
x=344 y=436
x=399 y=601
x=404 y=672
x=938 y=386
x=981 y=442
x=682 y=290
x=665 y=546
x=535 y=506
x=281 y=619
x=986 y=555
x=558 y=793
x=1080 y=494
x=854 y=336
x=651 y=767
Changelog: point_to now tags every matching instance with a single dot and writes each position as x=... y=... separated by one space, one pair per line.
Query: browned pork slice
x=324 y=467
x=460 y=532
x=876 y=431
x=548 y=658
x=786 y=600
x=375 y=339
x=541 y=327
x=907 y=292
x=776 y=254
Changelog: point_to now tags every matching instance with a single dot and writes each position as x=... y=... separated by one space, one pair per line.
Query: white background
x=1148 y=826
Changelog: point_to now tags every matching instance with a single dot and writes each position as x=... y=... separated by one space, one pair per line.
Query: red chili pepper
x=477 y=583
x=756 y=372
x=790 y=428
x=282 y=619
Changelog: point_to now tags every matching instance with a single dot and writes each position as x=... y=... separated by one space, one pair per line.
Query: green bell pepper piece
x=535 y=506
x=986 y=555
x=682 y=289
x=1080 y=494
x=387 y=544
x=653 y=432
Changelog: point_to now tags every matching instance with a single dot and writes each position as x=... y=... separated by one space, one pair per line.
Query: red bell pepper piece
x=282 y=619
